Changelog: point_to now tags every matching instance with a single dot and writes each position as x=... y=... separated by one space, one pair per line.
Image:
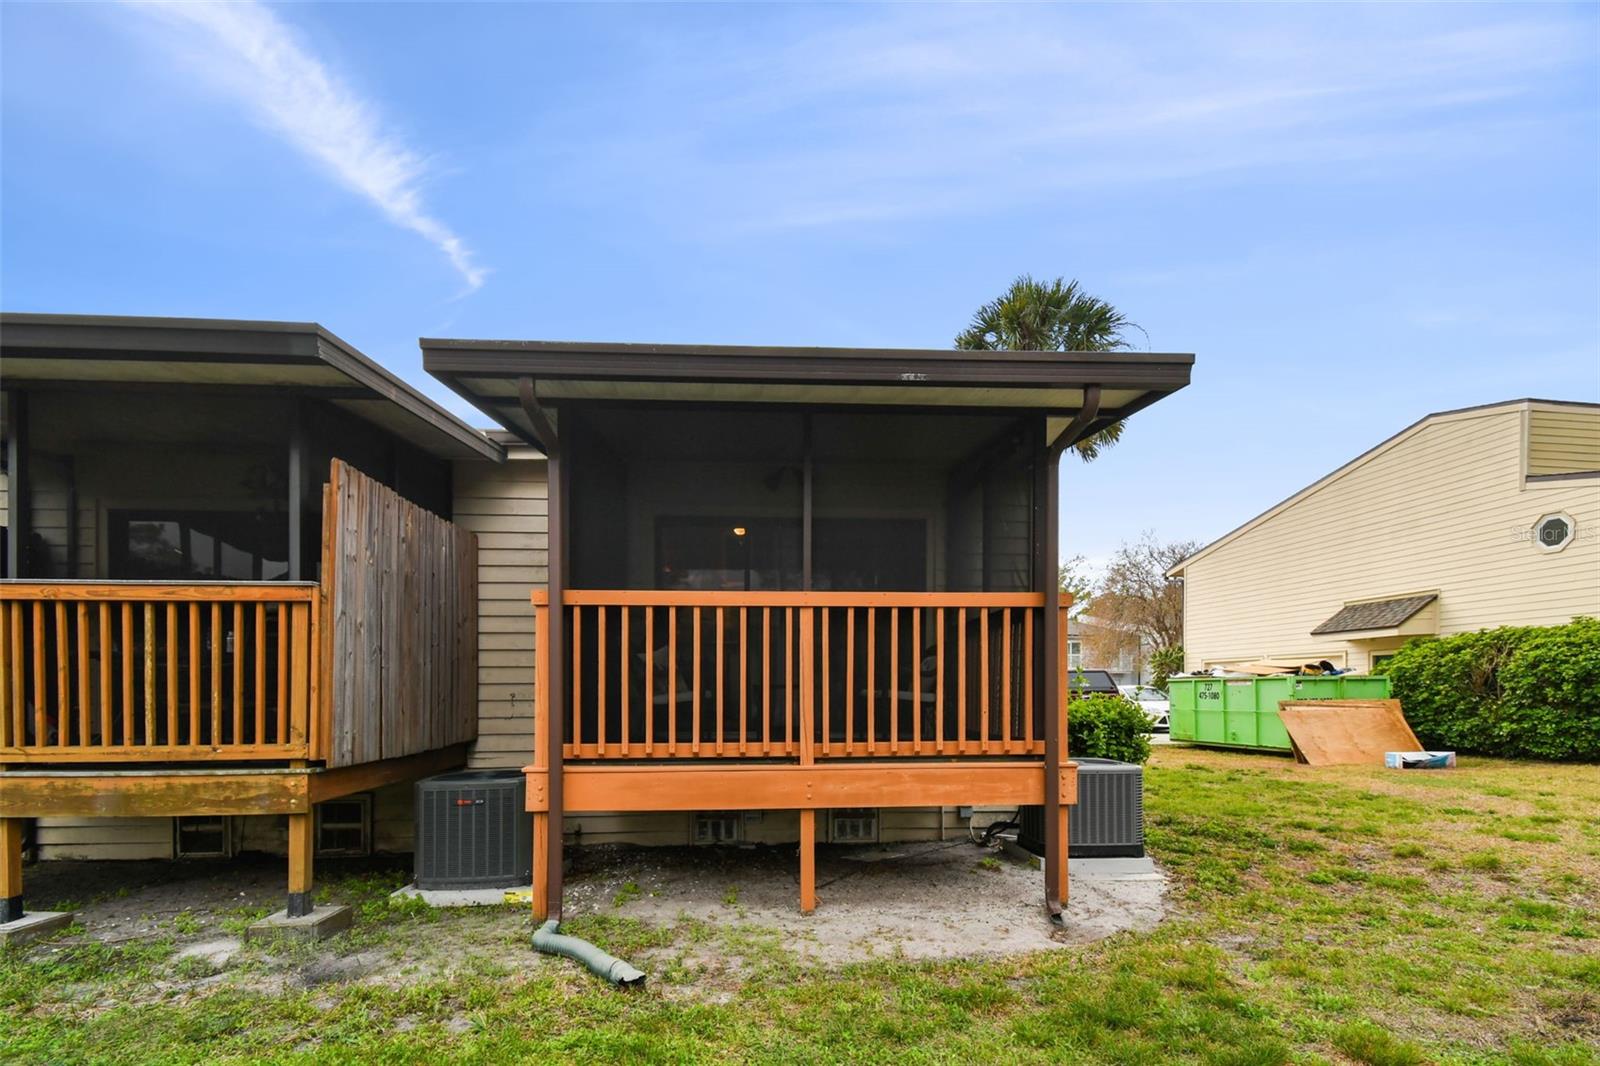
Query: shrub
x=1527 y=691
x=1107 y=727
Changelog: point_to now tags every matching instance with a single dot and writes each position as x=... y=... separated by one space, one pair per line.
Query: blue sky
x=1353 y=215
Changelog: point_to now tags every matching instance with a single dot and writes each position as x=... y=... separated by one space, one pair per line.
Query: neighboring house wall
x=1443 y=508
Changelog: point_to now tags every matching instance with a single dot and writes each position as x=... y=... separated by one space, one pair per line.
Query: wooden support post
x=10 y=869
x=808 y=861
x=300 y=848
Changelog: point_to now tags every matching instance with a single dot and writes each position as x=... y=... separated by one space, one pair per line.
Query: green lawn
x=1320 y=915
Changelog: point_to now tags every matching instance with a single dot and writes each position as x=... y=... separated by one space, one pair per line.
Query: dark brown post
x=1047 y=491
x=297 y=491
x=556 y=680
x=1047 y=496
x=18 y=520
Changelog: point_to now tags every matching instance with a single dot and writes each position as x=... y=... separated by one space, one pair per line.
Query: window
x=187 y=545
x=1074 y=655
x=1380 y=661
x=727 y=553
x=1553 y=532
x=344 y=826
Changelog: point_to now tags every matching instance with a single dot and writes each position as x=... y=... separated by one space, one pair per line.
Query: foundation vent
x=473 y=831
x=716 y=827
x=858 y=826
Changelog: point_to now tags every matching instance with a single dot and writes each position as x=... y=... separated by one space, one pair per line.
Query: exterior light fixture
x=738 y=531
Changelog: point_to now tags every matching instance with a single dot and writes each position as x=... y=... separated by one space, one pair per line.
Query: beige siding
x=676 y=828
x=105 y=838
x=1563 y=441
x=505 y=506
x=1443 y=508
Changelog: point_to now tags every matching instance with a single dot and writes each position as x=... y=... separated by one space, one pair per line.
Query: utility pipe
x=549 y=940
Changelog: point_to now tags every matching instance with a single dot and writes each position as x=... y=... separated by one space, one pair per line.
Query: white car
x=1152 y=700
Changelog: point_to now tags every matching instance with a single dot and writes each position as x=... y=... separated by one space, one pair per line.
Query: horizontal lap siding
x=676 y=828
x=1444 y=508
x=1563 y=442
x=505 y=506
x=105 y=838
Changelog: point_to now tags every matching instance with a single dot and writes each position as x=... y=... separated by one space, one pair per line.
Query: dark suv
x=1081 y=683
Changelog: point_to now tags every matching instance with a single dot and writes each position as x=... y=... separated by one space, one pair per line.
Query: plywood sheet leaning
x=1346 y=732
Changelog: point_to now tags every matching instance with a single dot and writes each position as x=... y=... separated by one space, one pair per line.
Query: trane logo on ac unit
x=469 y=802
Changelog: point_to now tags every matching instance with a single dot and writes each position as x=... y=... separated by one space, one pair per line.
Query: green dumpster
x=1242 y=712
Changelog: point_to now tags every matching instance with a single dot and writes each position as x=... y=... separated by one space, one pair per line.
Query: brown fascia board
x=216 y=340
x=850 y=366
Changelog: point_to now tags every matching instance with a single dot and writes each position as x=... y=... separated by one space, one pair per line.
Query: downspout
x=548 y=939
x=1049 y=558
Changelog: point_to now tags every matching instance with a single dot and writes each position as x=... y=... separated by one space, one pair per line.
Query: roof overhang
x=1414 y=615
x=489 y=375
x=87 y=351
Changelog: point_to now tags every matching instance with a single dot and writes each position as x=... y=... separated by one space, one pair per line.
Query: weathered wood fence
x=401 y=639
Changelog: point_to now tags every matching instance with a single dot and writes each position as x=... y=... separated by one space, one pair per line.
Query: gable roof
x=1370 y=453
x=44 y=349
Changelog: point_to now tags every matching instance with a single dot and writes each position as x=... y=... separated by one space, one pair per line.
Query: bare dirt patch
x=922 y=900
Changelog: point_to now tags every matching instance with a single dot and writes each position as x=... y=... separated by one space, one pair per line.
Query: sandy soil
x=915 y=901
x=920 y=900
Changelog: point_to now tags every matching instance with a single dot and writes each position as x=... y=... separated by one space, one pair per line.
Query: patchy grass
x=1352 y=916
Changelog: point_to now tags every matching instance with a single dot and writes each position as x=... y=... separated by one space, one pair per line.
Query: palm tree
x=1054 y=316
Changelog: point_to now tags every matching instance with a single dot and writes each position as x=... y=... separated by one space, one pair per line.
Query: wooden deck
x=701 y=701
x=140 y=699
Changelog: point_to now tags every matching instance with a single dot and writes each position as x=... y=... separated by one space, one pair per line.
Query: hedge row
x=1525 y=691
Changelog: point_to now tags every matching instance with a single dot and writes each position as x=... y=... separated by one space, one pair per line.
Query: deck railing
x=813 y=675
x=96 y=672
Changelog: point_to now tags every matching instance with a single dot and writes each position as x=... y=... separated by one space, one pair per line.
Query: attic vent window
x=1553 y=532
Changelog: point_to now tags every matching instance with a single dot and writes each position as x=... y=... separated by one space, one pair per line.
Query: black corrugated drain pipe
x=549 y=940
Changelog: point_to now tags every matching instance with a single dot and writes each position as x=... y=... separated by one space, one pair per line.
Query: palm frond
x=1054 y=316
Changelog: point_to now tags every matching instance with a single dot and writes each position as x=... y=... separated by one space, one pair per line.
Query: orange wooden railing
x=697 y=675
x=136 y=671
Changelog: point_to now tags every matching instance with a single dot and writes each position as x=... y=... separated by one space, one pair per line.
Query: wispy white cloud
x=246 y=49
x=908 y=114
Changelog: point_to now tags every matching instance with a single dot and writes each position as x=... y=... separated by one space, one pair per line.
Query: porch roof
x=77 y=351
x=488 y=374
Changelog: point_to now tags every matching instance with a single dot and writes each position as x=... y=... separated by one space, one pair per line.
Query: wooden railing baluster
x=1005 y=681
x=989 y=636
x=122 y=671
